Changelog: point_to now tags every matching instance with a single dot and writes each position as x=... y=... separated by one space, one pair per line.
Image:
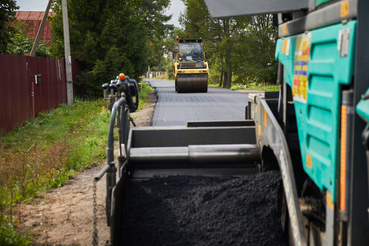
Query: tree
x=22 y=43
x=7 y=16
x=240 y=47
x=109 y=36
x=257 y=44
x=157 y=29
x=217 y=36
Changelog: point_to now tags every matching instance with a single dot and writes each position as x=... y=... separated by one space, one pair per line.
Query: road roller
x=190 y=68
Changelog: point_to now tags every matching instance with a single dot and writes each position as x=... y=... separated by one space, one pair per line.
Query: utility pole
x=40 y=30
x=68 y=58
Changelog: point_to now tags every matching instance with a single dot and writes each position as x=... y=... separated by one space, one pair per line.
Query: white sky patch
x=176 y=7
x=32 y=5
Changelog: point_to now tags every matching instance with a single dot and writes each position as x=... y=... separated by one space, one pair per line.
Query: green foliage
x=214 y=75
x=157 y=29
x=46 y=151
x=110 y=37
x=168 y=67
x=7 y=15
x=255 y=52
x=145 y=89
x=254 y=86
x=23 y=44
x=241 y=48
x=11 y=237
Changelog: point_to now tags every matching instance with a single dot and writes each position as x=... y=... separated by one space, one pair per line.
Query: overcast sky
x=176 y=7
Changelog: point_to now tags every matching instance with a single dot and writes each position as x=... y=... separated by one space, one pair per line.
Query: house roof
x=33 y=19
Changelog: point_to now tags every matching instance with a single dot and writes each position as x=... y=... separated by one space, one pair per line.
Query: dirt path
x=64 y=216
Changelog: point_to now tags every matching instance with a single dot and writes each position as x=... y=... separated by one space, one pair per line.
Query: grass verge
x=44 y=152
x=254 y=86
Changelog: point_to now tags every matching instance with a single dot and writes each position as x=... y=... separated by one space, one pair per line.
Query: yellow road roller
x=190 y=68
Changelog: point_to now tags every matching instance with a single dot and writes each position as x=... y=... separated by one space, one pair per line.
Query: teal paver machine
x=314 y=130
x=321 y=114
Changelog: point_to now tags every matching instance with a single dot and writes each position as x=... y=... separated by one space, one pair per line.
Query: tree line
x=110 y=37
x=107 y=36
x=241 y=50
x=113 y=36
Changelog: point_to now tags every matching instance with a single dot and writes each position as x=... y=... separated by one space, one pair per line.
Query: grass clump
x=9 y=236
x=44 y=153
x=255 y=86
x=144 y=90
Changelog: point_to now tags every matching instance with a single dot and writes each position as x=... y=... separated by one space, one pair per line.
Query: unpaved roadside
x=64 y=216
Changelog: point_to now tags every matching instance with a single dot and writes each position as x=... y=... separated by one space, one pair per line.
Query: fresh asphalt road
x=175 y=109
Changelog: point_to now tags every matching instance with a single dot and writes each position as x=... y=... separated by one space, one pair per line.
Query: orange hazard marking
x=259 y=129
x=284 y=29
x=265 y=117
x=284 y=48
x=308 y=161
x=345 y=8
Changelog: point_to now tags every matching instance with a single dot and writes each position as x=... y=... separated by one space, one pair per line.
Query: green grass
x=254 y=86
x=44 y=152
x=145 y=89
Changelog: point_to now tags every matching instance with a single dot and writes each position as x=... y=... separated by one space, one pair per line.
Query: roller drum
x=197 y=154
x=192 y=84
x=223 y=154
x=159 y=155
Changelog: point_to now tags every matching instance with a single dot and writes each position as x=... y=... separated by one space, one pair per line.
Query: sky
x=176 y=7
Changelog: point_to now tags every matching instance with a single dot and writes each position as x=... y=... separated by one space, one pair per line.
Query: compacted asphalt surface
x=175 y=109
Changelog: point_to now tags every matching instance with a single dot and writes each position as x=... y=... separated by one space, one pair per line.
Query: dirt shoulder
x=64 y=216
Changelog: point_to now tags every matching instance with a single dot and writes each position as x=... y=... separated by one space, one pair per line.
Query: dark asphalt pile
x=183 y=210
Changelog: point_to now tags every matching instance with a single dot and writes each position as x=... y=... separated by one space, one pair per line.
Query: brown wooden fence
x=20 y=98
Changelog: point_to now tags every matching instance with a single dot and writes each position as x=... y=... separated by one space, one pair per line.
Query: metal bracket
x=343 y=42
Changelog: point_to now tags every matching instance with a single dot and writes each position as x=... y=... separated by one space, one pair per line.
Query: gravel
x=185 y=210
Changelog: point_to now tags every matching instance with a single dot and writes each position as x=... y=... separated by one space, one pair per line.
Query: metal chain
x=95 y=237
x=131 y=120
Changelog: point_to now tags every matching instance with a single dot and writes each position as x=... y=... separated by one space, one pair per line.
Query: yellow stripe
x=329 y=201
